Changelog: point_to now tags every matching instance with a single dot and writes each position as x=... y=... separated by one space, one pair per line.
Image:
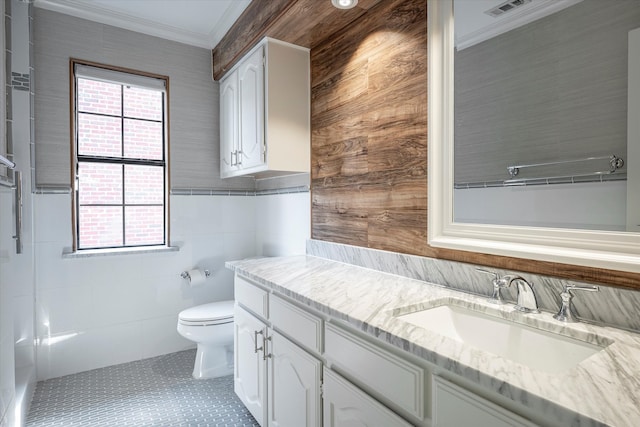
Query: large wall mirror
x=534 y=129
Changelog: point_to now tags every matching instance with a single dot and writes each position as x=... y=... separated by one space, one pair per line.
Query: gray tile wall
x=555 y=89
x=194 y=115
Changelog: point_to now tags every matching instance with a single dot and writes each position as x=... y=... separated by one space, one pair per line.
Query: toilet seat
x=215 y=313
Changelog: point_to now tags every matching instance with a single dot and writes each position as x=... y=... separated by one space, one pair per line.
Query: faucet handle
x=566 y=310
x=495 y=275
x=588 y=288
x=498 y=283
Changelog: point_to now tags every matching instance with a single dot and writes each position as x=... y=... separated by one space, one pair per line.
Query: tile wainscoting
x=98 y=311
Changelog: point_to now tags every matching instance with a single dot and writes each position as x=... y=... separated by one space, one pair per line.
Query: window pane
x=142 y=103
x=99 y=183
x=100 y=226
x=143 y=185
x=144 y=225
x=142 y=139
x=119 y=204
x=99 y=135
x=99 y=97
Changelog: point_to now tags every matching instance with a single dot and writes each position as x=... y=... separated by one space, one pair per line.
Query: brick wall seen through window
x=120 y=165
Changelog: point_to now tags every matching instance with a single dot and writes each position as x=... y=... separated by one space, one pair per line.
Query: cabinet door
x=229 y=123
x=454 y=406
x=393 y=378
x=251 y=87
x=249 y=368
x=294 y=385
x=347 y=406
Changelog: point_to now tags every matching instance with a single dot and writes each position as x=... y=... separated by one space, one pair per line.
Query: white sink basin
x=534 y=348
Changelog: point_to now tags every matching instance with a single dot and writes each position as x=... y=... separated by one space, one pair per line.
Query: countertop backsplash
x=610 y=306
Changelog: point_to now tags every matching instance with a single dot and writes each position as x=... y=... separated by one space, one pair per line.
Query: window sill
x=67 y=253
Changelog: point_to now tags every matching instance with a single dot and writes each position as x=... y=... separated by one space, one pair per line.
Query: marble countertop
x=603 y=389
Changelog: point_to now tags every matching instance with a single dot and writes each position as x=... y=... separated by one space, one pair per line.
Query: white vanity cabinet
x=249 y=372
x=390 y=378
x=454 y=406
x=277 y=379
x=346 y=406
x=265 y=112
x=294 y=385
x=293 y=368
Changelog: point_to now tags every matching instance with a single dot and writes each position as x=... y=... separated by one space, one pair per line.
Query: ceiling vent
x=505 y=7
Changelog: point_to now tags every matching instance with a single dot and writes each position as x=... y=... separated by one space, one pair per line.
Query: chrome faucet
x=566 y=311
x=527 y=301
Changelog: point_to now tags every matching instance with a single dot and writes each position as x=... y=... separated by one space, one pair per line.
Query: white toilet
x=211 y=327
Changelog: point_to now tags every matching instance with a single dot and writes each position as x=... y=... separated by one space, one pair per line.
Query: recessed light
x=344 y=4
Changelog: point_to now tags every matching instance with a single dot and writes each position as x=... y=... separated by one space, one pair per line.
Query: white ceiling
x=200 y=23
x=203 y=23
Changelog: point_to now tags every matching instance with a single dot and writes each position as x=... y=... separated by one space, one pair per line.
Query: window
x=120 y=158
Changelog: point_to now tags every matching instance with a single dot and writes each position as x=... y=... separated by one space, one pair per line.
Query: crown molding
x=511 y=20
x=230 y=15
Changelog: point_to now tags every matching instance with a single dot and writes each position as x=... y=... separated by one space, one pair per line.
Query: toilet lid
x=208 y=312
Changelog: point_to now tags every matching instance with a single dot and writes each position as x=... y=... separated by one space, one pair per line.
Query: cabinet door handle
x=265 y=341
x=233 y=163
x=255 y=341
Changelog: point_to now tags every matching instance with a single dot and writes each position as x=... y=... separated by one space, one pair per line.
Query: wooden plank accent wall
x=369 y=131
x=302 y=22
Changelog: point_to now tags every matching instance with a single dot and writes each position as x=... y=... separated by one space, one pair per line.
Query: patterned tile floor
x=156 y=392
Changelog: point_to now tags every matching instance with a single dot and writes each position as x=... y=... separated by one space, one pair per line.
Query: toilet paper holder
x=185 y=274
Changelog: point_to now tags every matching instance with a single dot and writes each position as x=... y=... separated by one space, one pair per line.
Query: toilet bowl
x=210 y=326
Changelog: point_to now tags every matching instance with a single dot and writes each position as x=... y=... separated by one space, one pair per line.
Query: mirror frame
x=617 y=251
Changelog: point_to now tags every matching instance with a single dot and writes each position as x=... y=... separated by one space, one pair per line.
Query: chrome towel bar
x=16 y=186
x=615 y=163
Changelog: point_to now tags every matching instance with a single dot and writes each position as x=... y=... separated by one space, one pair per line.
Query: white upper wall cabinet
x=265 y=112
x=252 y=107
x=229 y=124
